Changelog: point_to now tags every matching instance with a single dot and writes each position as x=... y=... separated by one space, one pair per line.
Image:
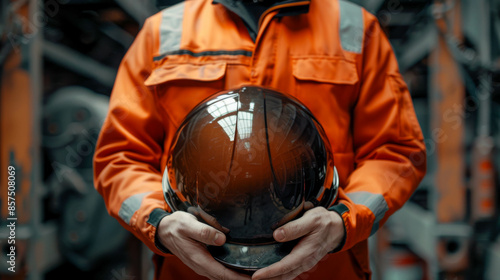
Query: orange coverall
x=334 y=58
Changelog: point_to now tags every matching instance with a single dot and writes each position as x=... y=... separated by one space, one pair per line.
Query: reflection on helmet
x=247 y=161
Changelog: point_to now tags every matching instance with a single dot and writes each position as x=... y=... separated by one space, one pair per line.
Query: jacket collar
x=252 y=13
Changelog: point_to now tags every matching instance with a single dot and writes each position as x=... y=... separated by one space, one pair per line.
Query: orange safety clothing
x=335 y=59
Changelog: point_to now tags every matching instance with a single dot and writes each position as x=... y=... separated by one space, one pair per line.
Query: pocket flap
x=203 y=72
x=325 y=69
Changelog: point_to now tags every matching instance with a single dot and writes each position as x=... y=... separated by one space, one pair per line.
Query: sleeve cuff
x=340 y=209
x=154 y=219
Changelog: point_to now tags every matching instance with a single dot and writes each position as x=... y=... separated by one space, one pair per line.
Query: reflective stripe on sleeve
x=375 y=202
x=171 y=28
x=351 y=27
x=130 y=206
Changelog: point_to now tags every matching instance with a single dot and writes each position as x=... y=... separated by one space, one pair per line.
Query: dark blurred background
x=58 y=62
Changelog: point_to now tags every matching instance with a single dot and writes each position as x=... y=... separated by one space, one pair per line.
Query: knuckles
x=175 y=224
x=325 y=219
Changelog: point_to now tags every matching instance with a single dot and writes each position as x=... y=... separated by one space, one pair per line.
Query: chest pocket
x=177 y=72
x=325 y=70
x=328 y=86
x=180 y=87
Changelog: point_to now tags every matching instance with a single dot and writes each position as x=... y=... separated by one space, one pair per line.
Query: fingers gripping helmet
x=247 y=161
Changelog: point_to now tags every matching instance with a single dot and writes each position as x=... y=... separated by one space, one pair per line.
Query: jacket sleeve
x=390 y=158
x=127 y=158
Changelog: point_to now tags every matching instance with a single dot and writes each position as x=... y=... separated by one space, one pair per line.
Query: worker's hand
x=186 y=237
x=321 y=231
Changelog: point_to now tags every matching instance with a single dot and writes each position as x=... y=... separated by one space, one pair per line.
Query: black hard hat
x=246 y=161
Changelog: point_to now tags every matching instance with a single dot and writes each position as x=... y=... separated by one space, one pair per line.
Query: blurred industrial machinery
x=55 y=56
x=58 y=61
x=449 y=54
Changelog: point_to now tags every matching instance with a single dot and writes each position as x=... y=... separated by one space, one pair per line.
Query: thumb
x=206 y=234
x=293 y=230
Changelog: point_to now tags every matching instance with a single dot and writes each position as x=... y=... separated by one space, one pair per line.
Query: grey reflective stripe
x=171 y=28
x=375 y=202
x=351 y=27
x=130 y=206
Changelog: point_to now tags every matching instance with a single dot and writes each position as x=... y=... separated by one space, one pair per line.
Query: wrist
x=162 y=221
x=337 y=212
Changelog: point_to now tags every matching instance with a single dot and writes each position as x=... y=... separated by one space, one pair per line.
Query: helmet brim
x=249 y=258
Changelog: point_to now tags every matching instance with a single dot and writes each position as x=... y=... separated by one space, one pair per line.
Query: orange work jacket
x=335 y=59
